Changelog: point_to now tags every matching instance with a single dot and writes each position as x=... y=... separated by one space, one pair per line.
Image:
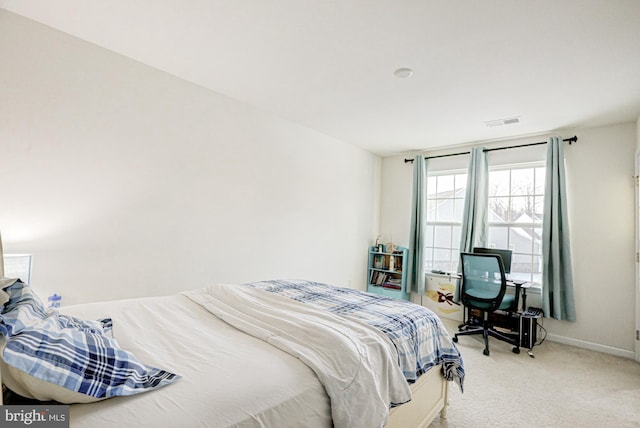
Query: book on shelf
x=378 y=278
x=379 y=261
x=393 y=283
x=382 y=277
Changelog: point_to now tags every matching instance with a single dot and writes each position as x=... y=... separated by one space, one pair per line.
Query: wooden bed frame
x=430 y=395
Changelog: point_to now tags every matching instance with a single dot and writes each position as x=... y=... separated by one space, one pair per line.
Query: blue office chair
x=483 y=288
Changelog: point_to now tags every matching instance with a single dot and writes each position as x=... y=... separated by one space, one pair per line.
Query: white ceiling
x=329 y=64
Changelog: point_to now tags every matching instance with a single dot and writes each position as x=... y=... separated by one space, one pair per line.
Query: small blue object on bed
x=418 y=334
x=49 y=356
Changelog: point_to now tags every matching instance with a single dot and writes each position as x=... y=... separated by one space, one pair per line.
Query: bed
x=271 y=354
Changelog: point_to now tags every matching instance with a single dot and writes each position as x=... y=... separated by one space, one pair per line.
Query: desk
x=522 y=289
x=504 y=319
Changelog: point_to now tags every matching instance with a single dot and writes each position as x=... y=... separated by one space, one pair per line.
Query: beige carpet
x=562 y=386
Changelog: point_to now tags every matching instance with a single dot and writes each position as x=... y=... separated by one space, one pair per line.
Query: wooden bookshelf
x=387 y=272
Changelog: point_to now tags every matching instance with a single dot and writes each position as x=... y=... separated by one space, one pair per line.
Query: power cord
x=541 y=329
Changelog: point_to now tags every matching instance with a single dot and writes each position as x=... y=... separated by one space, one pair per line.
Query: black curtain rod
x=569 y=140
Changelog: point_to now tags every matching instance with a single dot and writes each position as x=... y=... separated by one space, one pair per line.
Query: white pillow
x=31 y=387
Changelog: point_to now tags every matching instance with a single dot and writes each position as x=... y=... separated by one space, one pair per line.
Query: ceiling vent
x=502 y=122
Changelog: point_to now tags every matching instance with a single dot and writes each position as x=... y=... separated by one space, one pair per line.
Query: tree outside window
x=516 y=198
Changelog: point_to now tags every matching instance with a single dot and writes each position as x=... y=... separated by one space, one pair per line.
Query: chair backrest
x=483 y=281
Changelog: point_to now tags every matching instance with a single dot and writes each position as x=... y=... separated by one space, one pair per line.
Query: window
x=445 y=203
x=516 y=197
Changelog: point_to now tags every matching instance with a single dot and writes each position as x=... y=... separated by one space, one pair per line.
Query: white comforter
x=229 y=379
x=357 y=364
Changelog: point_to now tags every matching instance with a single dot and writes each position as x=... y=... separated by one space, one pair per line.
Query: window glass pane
x=460 y=184
x=522 y=263
x=521 y=239
x=536 y=265
x=498 y=237
x=445 y=184
x=520 y=276
x=444 y=211
x=431 y=186
x=499 y=183
x=537 y=243
x=522 y=181
x=429 y=236
x=521 y=209
x=458 y=209
x=428 y=258
x=455 y=261
x=455 y=236
x=431 y=209
x=540 y=179
x=498 y=210
x=451 y=266
x=539 y=208
x=442 y=237
x=536 y=269
x=441 y=259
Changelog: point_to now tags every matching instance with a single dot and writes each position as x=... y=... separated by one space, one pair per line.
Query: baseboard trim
x=592 y=346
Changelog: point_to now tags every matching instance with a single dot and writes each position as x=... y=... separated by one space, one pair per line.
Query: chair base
x=487 y=330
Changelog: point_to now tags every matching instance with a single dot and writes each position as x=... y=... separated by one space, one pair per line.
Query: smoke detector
x=502 y=122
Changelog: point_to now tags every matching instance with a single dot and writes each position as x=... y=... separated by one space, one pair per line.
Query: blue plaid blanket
x=420 y=338
x=75 y=354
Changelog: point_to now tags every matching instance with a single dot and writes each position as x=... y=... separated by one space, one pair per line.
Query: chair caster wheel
x=455 y=339
x=485 y=352
x=516 y=350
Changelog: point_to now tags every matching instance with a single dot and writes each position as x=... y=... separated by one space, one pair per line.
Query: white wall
x=637 y=236
x=600 y=167
x=124 y=181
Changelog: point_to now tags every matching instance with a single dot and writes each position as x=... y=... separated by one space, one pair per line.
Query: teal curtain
x=1 y=259
x=475 y=214
x=417 y=238
x=557 y=276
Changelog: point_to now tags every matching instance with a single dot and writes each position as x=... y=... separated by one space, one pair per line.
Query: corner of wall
x=638 y=134
x=377 y=196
